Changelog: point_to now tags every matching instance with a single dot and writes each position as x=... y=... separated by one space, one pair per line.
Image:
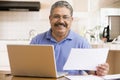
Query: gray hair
x=62 y=4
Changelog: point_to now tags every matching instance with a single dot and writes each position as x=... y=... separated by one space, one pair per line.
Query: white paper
x=86 y=59
x=93 y=77
x=112 y=77
x=86 y=77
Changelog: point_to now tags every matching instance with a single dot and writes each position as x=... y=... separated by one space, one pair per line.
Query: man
x=64 y=39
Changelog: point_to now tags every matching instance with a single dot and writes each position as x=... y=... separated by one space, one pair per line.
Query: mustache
x=62 y=24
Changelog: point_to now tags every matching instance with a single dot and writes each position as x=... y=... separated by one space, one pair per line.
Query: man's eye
x=56 y=17
x=66 y=17
x=63 y=17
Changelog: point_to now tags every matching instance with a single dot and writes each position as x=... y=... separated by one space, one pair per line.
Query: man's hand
x=102 y=69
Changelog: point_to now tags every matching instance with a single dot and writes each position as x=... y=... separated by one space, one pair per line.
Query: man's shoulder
x=39 y=38
x=76 y=35
x=41 y=34
x=78 y=38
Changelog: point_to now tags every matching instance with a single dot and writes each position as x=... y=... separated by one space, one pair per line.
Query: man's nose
x=61 y=19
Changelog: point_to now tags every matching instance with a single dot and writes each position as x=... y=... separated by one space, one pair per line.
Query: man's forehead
x=61 y=11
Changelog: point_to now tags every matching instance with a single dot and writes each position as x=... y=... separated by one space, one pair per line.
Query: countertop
x=110 y=45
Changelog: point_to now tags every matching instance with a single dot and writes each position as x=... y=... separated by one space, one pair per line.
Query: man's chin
x=61 y=33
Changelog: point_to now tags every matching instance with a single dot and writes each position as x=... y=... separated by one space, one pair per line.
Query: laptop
x=33 y=60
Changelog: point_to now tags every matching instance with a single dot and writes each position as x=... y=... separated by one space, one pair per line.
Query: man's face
x=60 y=21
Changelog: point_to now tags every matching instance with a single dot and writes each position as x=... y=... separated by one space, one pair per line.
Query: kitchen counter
x=111 y=46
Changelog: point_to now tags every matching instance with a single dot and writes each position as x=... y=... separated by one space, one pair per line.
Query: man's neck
x=59 y=38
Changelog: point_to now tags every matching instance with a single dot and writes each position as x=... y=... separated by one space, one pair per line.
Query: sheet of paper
x=86 y=59
x=87 y=77
x=93 y=77
x=112 y=77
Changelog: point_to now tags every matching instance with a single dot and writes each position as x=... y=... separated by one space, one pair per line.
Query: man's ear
x=49 y=17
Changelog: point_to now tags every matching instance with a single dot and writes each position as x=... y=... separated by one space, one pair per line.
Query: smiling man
x=60 y=19
x=63 y=38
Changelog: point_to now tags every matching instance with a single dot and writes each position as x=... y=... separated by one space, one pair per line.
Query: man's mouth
x=60 y=24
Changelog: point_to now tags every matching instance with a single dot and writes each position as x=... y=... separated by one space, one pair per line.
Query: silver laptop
x=33 y=60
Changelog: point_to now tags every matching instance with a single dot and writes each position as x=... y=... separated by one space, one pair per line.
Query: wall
x=16 y=25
